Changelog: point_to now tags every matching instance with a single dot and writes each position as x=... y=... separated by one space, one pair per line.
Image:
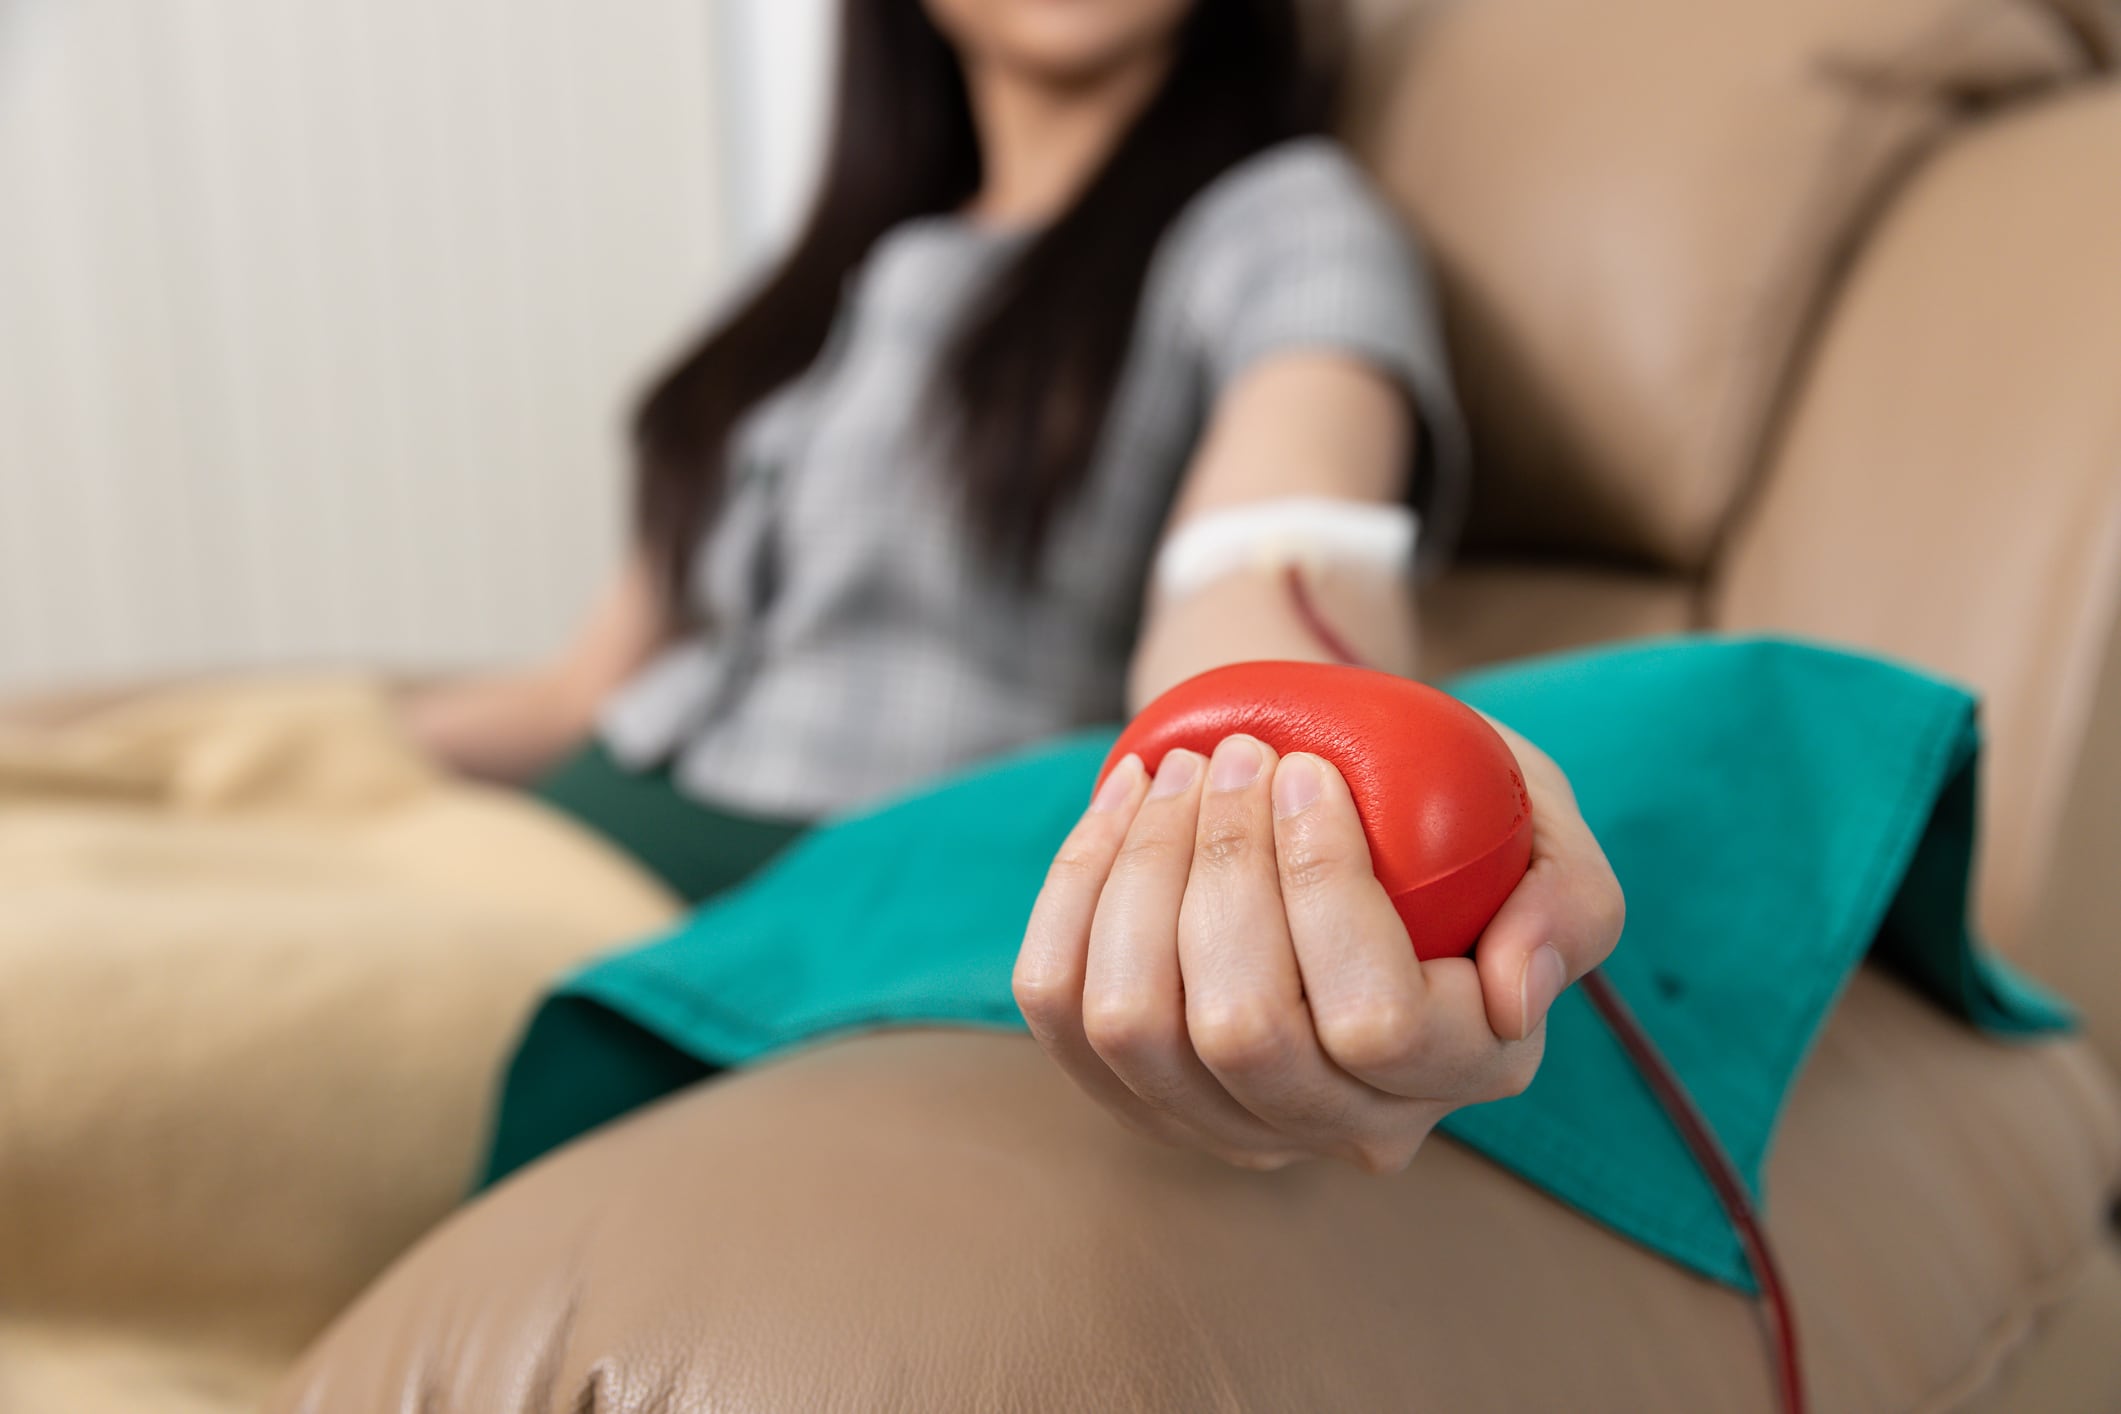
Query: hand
x=1213 y=960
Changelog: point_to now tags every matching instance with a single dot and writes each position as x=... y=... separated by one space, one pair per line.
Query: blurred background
x=319 y=322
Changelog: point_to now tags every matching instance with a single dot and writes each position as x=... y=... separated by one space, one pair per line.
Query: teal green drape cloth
x=1775 y=812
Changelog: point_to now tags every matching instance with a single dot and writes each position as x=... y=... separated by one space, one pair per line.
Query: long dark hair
x=1031 y=372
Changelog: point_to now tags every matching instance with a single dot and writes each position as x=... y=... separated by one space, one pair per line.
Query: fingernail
x=1235 y=764
x=1175 y=773
x=1545 y=974
x=1118 y=785
x=1297 y=782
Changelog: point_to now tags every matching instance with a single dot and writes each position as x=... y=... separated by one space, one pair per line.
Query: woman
x=1081 y=278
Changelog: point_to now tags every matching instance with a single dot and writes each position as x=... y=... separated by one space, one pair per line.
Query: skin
x=511 y=727
x=1053 y=83
x=1211 y=957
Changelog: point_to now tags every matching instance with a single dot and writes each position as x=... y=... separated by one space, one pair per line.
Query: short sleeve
x=1295 y=250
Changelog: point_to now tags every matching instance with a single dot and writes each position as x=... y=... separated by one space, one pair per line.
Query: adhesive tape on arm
x=1317 y=532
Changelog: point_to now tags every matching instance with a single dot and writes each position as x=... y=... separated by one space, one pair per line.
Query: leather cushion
x=1949 y=490
x=938 y=1221
x=1483 y=612
x=1635 y=208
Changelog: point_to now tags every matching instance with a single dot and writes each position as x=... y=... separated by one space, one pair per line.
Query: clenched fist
x=1212 y=958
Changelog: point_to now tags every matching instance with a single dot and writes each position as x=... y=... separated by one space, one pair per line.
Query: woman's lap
x=695 y=848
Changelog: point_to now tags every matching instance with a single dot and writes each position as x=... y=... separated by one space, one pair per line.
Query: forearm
x=1251 y=615
x=506 y=726
x=513 y=726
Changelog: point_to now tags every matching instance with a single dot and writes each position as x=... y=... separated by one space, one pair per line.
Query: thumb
x=1562 y=920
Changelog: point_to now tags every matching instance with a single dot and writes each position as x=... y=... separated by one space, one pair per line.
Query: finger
x=1133 y=1002
x=1363 y=982
x=1456 y=1050
x=1563 y=919
x=1051 y=964
x=1404 y=1027
x=1048 y=981
x=1245 y=1008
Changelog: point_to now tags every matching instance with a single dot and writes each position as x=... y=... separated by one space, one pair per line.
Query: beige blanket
x=258 y=968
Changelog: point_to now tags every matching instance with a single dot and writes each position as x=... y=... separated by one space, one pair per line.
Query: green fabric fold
x=1775 y=812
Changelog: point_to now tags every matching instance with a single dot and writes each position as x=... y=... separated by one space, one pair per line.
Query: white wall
x=776 y=81
x=318 y=317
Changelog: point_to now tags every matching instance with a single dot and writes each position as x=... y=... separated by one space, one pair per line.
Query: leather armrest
x=940 y=1221
x=1948 y=491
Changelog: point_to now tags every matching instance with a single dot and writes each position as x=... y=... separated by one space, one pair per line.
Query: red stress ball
x=1440 y=795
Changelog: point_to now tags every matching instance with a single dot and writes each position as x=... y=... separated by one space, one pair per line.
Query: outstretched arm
x=1305 y=424
x=1211 y=956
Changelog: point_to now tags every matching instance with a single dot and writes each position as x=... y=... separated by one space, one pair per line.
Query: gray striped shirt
x=858 y=639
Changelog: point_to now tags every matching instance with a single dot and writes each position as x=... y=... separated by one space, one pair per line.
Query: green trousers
x=696 y=849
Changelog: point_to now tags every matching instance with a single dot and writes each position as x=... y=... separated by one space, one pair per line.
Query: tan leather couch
x=1800 y=316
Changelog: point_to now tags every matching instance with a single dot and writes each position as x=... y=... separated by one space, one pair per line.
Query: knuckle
x=1380 y=1157
x=1516 y=1074
x=1149 y=850
x=1374 y=1036
x=1121 y=1027
x=1223 y=842
x=1610 y=911
x=1078 y=859
x=1308 y=867
x=1243 y=1035
x=1041 y=996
